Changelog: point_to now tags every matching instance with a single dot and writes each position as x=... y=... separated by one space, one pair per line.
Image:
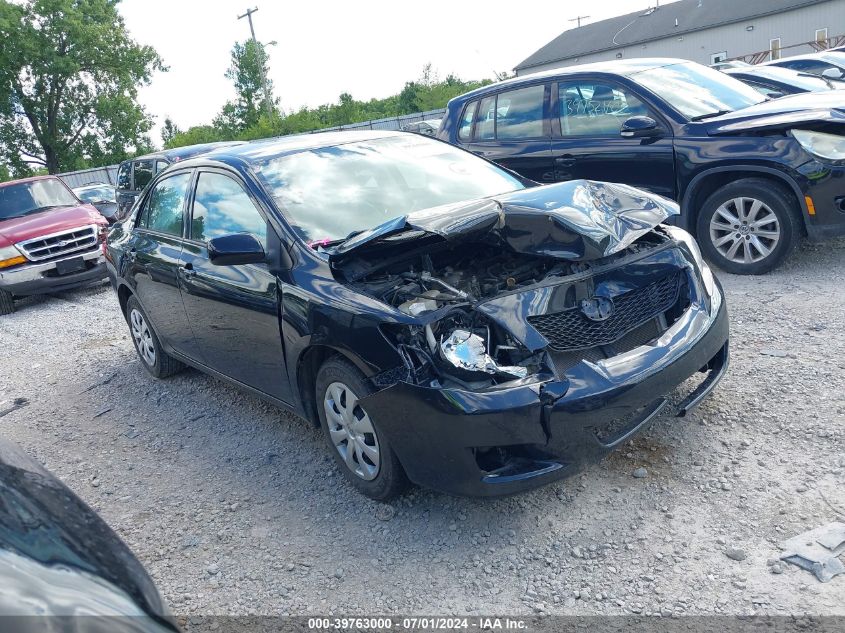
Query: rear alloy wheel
x=364 y=455
x=7 y=302
x=749 y=226
x=154 y=359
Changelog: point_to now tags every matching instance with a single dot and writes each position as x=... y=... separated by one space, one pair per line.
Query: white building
x=705 y=31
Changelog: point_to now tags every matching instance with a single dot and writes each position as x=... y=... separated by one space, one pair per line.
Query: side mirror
x=832 y=73
x=640 y=127
x=237 y=248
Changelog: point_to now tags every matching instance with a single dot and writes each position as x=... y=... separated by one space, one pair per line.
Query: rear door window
x=165 y=206
x=124 y=176
x=519 y=113
x=143 y=173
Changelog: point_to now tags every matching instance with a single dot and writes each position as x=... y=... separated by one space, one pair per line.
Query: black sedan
x=443 y=319
x=752 y=175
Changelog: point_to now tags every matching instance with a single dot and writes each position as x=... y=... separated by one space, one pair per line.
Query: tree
x=248 y=72
x=68 y=84
x=168 y=131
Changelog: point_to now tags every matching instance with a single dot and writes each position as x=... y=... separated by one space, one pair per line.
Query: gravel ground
x=235 y=507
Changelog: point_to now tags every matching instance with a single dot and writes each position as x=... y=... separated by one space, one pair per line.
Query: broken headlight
x=821 y=145
x=688 y=240
x=467 y=351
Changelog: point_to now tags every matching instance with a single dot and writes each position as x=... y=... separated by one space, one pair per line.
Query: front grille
x=641 y=335
x=570 y=330
x=58 y=244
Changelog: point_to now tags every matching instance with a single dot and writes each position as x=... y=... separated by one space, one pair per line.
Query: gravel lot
x=235 y=507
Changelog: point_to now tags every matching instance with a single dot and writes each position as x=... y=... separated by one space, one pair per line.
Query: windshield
x=34 y=196
x=330 y=192
x=96 y=194
x=697 y=91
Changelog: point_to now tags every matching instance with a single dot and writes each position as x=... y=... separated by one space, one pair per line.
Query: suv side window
x=591 y=108
x=222 y=207
x=143 y=173
x=124 y=176
x=519 y=113
x=165 y=205
x=485 y=126
x=465 y=128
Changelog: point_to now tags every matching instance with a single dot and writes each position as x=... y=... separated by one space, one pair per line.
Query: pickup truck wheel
x=363 y=455
x=749 y=227
x=154 y=359
x=7 y=302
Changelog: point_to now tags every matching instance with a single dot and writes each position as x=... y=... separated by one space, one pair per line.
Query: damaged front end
x=536 y=329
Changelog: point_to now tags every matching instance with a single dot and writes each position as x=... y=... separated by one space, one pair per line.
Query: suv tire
x=362 y=453
x=154 y=359
x=749 y=227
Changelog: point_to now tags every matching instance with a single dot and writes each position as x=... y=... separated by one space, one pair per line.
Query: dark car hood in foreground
x=786 y=112
x=58 y=558
x=576 y=220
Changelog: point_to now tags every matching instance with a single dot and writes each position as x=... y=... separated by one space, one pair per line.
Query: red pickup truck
x=49 y=239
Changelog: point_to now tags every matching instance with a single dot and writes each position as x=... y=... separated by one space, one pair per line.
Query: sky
x=323 y=48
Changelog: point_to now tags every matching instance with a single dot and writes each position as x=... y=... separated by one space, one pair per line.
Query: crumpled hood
x=575 y=220
x=16 y=230
x=785 y=112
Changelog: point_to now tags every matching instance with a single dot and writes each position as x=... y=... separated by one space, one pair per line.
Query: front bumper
x=824 y=186
x=42 y=277
x=506 y=440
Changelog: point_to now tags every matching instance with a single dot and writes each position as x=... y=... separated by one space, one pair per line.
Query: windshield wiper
x=701 y=117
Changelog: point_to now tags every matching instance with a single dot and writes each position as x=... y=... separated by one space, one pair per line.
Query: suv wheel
x=7 y=302
x=749 y=227
x=154 y=359
x=363 y=455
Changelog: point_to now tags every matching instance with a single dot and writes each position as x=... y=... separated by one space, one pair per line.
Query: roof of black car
x=188 y=151
x=281 y=145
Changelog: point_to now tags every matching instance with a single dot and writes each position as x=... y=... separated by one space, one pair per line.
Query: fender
x=686 y=219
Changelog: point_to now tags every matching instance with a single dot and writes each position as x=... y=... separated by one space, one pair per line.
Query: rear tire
x=7 y=302
x=154 y=359
x=749 y=227
x=361 y=451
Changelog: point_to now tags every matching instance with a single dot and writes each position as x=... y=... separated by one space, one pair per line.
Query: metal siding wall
x=100 y=174
x=792 y=27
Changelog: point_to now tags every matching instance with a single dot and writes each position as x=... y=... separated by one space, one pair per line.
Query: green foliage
x=249 y=74
x=169 y=130
x=68 y=85
x=427 y=93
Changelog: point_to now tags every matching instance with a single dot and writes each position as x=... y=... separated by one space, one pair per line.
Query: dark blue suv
x=752 y=175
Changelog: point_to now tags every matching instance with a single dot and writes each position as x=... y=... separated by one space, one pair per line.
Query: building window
x=821 y=36
x=774 y=48
x=715 y=58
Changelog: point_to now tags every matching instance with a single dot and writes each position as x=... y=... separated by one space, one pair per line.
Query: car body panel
x=58 y=558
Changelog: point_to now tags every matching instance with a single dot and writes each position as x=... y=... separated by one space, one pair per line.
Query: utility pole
x=259 y=48
x=578 y=19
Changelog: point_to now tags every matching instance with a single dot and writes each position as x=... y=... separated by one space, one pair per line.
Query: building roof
x=648 y=25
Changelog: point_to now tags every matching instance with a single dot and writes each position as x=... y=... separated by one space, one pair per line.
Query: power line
x=267 y=101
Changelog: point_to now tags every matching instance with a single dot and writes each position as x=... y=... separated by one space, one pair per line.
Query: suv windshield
x=31 y=197
x=697 y=91
x=330 y=192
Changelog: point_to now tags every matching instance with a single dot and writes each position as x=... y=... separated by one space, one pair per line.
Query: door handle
x=567 y=160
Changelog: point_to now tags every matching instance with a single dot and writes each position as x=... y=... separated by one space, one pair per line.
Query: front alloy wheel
x=749 y=226
x=744 y=230
x=154 y=359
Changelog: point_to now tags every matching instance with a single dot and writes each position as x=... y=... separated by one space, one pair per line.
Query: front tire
x=7 y=302
x=154 y=359
x=361 y=451
x=749 y=227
